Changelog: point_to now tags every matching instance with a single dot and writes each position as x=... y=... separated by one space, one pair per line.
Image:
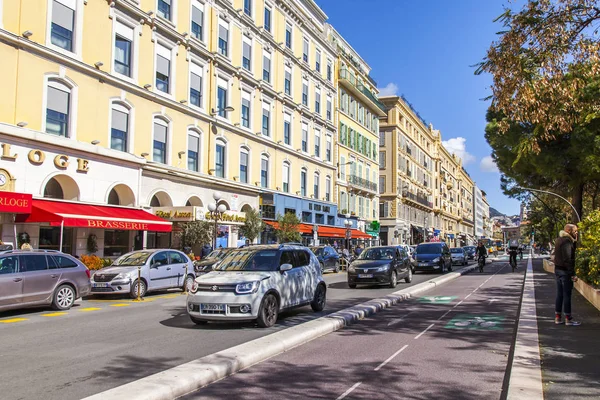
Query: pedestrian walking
x=206 y=249
x=564 y=269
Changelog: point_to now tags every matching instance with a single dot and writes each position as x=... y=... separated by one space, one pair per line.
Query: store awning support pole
x=16 y=246
x=145 y=240
x=62 y=228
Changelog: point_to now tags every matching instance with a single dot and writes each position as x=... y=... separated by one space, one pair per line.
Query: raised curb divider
x=193 y=375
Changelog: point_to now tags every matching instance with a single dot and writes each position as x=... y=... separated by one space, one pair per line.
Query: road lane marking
x=90 y=309
x=347 y=392
x=120 y=305
x=421 y=334
x=397 y=320
x=446 y=313
x=469 y=295
x=12 y=320
x=54 y=314
x=391 y=357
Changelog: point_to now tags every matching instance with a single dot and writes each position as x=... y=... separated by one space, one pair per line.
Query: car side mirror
x=155 y=265
x=285 y=267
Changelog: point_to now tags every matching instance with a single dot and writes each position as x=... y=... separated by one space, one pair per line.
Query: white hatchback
x=257 y=283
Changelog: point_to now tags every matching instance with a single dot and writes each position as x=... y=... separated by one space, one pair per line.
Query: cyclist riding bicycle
x=481 y=251
x=513 y=250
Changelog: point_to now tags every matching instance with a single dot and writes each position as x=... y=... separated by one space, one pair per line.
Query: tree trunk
x=577 y=201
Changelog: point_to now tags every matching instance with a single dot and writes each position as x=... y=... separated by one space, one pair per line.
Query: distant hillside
x=495 y=213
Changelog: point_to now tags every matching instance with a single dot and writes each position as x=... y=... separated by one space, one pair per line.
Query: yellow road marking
x=90 y=309
x=170 y=296
x=120 y=305
x=12 y=320
x=54 y=314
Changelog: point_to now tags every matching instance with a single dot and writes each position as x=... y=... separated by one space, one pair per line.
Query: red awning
x=332 y=232
x=302 y=228
x=18 y=203
x=93 y=216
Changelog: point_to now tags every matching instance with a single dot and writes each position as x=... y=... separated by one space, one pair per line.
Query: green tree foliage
x=546 y=218
x=587 y=263
x=287 y=231
x=253 y=226
x=195 y=233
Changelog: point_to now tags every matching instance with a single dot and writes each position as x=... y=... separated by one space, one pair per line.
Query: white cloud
x=458 y=146
x=391 y=89
x=488 y=164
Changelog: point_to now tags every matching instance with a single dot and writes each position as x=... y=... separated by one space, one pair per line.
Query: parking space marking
x=12 y=320
x=87 y=309
x=54 y=314
x=422 y=333
x=120 y=305
x=391 y=358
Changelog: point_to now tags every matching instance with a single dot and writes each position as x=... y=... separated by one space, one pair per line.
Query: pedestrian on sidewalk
x=564 y=269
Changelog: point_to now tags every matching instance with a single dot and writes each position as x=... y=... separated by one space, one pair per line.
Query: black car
x=433 y=257
x=470 y=251
x=328 y=258
x=206 y=264
x=380 y=265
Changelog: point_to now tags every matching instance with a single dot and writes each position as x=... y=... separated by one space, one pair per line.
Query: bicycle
x=513 y=264
x=481 y=263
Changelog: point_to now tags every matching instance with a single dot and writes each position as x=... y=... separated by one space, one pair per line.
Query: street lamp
x=216 y=212
x=217 y=110
x=348 y=225
x=553 y=194
x=343 y=165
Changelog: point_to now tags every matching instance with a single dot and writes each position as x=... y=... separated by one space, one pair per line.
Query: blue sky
x=425 y=50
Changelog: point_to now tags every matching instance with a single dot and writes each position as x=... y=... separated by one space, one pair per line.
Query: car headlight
x=436 y=260
x=351 y=269
x=121 y=276
x=248 y=287
x=194 y=287
x=383 y=268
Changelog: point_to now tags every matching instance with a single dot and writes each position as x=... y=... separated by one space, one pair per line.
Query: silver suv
x=35 y=278
x=257 y=283
x=160 y=269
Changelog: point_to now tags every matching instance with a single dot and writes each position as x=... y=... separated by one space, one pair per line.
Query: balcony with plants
x=349 y=80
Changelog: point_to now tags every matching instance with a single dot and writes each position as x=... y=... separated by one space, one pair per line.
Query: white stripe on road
x=347 y=392
x=391 y=358
x=420 y=334
x=446 y=313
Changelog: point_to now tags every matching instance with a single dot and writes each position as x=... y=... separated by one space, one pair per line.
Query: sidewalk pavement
x=570 y=355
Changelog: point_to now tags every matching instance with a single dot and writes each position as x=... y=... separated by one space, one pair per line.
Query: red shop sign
x=19 y=203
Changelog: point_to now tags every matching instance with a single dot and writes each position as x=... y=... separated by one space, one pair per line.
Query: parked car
x=208 y=263
x=471 y=250
x=329 y=259
x=459 y=256
x=257 y=283
x=160 y=269
x=433 y=257
x=380 y=265
x=38 y=278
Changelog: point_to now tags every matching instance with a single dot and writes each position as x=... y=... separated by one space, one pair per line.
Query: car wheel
x=450 y=268
x=198 y=321
x=64 y=297
x=393 y=279
x=133 y=292
x=352 y=285
x=188 y=283
x=443 y=267
x=322 y=267
x=408 y=278
x=336 y=268
x=269 y=310
x=318 y=303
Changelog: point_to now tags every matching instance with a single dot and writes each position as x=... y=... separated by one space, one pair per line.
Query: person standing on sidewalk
x=564 y=269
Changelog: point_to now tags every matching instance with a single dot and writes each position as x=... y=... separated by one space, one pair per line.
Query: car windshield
x=456 y=250
x=378 y=253
x=132 y=259
x=429 y=249
x=249 y=260
x=470 y=248
x=317 y=250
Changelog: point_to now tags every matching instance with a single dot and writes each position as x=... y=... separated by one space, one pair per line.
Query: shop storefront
x=11 y=205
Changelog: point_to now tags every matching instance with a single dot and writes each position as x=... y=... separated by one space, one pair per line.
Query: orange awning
x=302 y=228
x=326 y=231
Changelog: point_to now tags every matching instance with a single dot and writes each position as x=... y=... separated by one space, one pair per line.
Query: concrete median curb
x=191 y=376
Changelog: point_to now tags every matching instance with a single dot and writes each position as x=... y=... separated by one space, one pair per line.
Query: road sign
x=476 y=322
x=437 y=299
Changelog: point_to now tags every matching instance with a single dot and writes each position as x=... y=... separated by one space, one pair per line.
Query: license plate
x=422 y=265
x=365 y=275
x=100 y=285
x=212 y=307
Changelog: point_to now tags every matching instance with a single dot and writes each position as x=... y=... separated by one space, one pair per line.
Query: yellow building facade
x=192 y=96
x=356 y=153
x=407 y=149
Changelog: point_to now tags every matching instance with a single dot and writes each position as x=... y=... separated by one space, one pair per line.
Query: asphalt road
x=453 y=343
x=100 y=344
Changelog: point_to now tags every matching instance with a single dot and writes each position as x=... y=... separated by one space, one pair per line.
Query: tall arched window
x=244 y=164
x=328 y=188
x=160 y=141
x=58 y=108
x=316 y=179
x=220 y=158
x=264 y=171
x=53 y=190
x=193 y=152
x=286 y=177
x=119 y=127
x=303 y=174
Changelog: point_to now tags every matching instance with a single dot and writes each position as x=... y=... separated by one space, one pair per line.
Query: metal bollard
x=139 y=279
x=185 y=288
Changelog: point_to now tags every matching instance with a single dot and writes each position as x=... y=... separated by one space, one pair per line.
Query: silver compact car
x=459 y=255
x=257 y=283
x=160 y=269
x=37 y=278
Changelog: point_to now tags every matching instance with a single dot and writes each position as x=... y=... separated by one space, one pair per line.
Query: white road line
x=397 y=320
x=446 y=313
x=347 y=392
x=420 y=334
x=469 y=295
x=391 y=358
x=457 y=304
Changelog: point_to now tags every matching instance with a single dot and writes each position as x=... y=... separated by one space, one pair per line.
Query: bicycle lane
x=451 y=343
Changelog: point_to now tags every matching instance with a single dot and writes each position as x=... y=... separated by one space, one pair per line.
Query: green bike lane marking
x=476 y=322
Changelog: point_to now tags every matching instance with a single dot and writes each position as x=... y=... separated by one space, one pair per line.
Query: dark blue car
x=433 y=257
x=328 y=258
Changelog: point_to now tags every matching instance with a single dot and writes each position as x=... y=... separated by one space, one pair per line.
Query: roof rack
x=291 y=244
x=19 y=251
